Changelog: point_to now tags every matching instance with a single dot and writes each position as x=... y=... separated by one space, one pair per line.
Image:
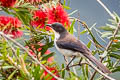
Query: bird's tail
x=98 y=64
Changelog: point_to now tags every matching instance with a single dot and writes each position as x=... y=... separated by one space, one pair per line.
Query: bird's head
x=57 y=27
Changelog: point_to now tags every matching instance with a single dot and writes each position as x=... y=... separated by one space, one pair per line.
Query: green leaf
x=117 y=18
x=63 y=71
x=66 y=7
x=116 y=69
x=18 y=52
x=72 y=27
x=116 y=37
x=64 y=2
x=112 y=21
x=73 y=76
x=7 y=67
x=72 y=12
x=99 y=34
x=86 y=68
x=83 y=32
x=111 y=26
x=104 y=54
x=84 y=72
x=89 y=44
x=116 y=45
x=45 y=47
x=11 y=75
x=23 y=14
x=106 y=28
x=106 y=34
x=117 y=56
x=46 y=56
x=37 y=73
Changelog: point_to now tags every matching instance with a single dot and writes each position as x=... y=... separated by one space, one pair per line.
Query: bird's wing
x=72 y=44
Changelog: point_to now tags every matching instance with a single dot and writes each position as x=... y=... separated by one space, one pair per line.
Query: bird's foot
x=67 y=68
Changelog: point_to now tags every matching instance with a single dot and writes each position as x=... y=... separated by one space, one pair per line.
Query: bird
x=70 y=46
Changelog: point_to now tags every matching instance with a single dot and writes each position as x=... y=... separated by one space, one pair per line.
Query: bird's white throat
x=57 y=35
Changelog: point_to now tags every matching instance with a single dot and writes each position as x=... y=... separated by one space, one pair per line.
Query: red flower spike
x=16 y=34
x=8 y=3
x=58 y=14
x=9 y=22
x=40 y=17
x=10 y=25
x=53 y=70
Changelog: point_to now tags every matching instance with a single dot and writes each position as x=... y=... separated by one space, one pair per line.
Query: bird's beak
x=50 y=25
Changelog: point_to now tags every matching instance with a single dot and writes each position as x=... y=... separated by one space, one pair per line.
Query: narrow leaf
x=89 y=44
x=72 y=27
x=63 y=72
x=114 y=55
x=46 y=56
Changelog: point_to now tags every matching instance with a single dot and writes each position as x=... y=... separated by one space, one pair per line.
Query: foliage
x=15 y=63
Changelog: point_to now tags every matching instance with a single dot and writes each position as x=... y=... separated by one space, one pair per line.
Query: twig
x=78 y=26
x=66 y=62
x=18 y=44
x=79 y=64
x=93 y=75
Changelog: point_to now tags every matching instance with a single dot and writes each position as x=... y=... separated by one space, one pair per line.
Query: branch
x=66 y=62
x=18 y=44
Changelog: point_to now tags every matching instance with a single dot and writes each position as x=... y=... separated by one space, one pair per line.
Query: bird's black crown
x=58 y=27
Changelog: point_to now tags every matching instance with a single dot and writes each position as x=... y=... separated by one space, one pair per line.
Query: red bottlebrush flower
x=9 y=22
x=10 y=25
x=16 y=34
x=58 y=14
x=39 y=17
x=8 y=3
x=53 y=70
